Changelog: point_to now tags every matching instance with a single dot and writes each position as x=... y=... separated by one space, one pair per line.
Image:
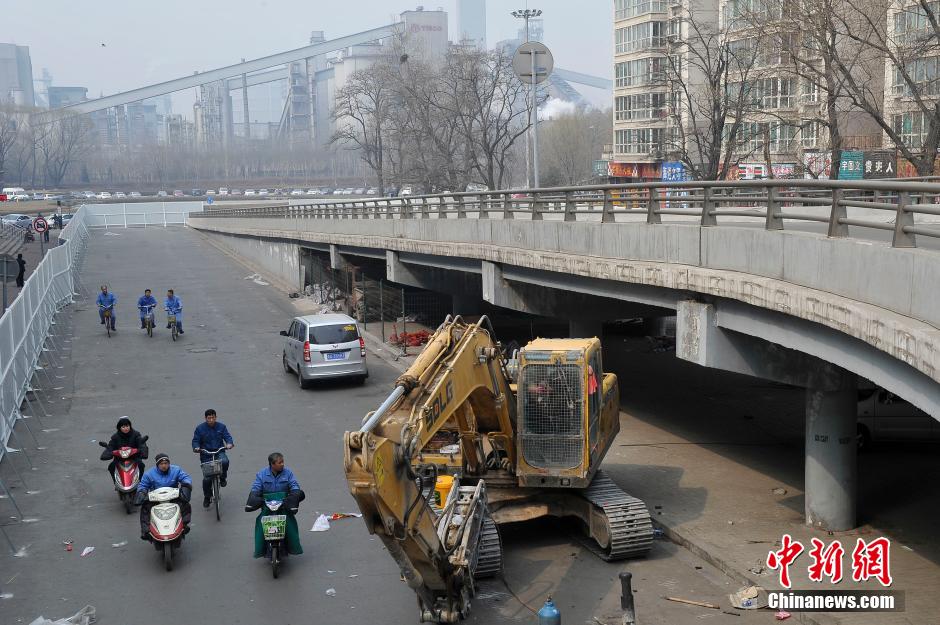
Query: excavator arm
x=459 y=381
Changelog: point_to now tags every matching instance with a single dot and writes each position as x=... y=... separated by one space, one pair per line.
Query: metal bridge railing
x=867 y=205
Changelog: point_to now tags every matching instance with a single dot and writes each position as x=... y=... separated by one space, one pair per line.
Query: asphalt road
x=229 y=359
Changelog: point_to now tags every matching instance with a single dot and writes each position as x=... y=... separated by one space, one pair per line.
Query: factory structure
x=286 y=97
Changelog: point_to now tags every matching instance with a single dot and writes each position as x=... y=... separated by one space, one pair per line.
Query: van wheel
x=863 y=437
x=284 y=362
x=304 y=384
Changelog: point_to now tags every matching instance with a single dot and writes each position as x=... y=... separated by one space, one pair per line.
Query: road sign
x=523 y=66
x=40 y=225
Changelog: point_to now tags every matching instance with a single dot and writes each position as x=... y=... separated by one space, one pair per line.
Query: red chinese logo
x=871 y=560
x=789 y=551
x=826 y=562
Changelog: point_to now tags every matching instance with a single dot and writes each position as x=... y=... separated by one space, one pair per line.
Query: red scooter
x=126 y=473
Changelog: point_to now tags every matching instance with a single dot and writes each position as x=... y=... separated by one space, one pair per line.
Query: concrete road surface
x=229 y=359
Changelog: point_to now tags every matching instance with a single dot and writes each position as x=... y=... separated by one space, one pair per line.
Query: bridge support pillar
x=831 y=468
x=585 y=329
x=336 y=259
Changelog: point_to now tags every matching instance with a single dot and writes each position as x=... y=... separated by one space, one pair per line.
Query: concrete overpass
x=812 y=309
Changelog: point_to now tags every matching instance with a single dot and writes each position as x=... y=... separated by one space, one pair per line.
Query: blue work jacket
x=267 y=482
x=154 y=479
x=146 y=300
x=173 y=304
x=106 y=300
x=211 y=438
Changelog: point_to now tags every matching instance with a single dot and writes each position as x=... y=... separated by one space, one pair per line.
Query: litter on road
x=85 y=616
x=87 y=550
x=120 y=544
x=322 y=524
x=336 y=516
x=330 y=592
x=781 y=615
x=701 y=604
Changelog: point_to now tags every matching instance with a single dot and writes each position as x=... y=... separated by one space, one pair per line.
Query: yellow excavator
x=515 y=438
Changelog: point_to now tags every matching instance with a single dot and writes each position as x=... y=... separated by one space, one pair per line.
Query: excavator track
x=489 y=551
x=631 y=530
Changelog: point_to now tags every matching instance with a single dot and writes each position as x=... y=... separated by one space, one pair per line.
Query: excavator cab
x=567 y=412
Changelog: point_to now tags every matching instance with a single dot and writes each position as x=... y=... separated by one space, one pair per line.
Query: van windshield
x=334 y=334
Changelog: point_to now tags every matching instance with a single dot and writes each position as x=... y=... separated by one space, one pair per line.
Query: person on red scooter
x=164 y=475
x=125 y=436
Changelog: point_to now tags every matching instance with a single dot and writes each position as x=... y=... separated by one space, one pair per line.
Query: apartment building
x=644 y=32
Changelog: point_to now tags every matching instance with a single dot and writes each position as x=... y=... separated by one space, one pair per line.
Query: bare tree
x=570 y=141
x=9 y=132
x=909 y=39
x=708 y=80
x=60 y=142
x=362 y=114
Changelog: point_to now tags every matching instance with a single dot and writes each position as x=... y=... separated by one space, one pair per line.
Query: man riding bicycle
x=105 y=302
x=146 y=303
x=210 y=436
x=174 y=306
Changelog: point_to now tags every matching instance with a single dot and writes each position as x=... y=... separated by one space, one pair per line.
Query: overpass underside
x=745 y=300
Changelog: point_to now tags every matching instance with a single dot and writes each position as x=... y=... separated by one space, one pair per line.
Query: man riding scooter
x=276 y=482
x=164 y=475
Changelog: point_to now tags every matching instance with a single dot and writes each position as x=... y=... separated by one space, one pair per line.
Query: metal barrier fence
x=26 y=325
x=139 y=214
x=906 y=209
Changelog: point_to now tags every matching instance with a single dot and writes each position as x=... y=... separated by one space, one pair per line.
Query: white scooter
x=166 y=522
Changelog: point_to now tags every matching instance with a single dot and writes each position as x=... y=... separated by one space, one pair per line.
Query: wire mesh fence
x=401 y=316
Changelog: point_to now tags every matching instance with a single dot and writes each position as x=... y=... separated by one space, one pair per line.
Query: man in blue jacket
x=164 y=475
x=174 y=306
x=276 y=481
x=145 y=304
x=106 y=301
x=211 y=435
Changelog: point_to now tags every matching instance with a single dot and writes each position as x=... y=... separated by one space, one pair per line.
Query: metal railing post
x=838 y=213
x=461 y=208
x=773 y=221
x=534 y=207
x=607 y=214
x=652 y=207
x=904 y=219
x=708 y=207
x=570 y=214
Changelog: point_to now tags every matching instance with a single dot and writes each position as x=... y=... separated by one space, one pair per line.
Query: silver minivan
x=324 y=346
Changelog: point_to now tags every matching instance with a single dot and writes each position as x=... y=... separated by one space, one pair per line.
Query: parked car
x=249 y=192
x=104 y=195
x=120 y=194
x=338 y=191
x=263 y=192
x=53 y=197
x=223 y=190
x=324 y=346
x=372 y=191
x=477 y=186
x=406 y=190
x=210 y=192
x=297 y=192
x=134 y=194
x=883 y=416
x=359 y=191
x=66 y=218
x=38 y=196
x=197 y=193
x=90 y=195
x=235 y=192
x=177 y=193
x=162 y=194
x=17 y=219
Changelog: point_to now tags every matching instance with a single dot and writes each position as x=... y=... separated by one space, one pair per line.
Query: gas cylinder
x=549 y=614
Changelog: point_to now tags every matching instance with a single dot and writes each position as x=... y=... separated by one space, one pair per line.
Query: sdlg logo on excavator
x=433 y=412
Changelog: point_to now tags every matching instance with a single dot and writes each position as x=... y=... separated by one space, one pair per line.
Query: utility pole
x=533 y=182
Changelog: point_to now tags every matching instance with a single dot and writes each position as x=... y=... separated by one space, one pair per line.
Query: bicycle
x=148 y=319
x=213 y=470
x=107 y=320
x=171 y=319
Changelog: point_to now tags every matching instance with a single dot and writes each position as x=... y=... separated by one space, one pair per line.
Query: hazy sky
x=147 y=42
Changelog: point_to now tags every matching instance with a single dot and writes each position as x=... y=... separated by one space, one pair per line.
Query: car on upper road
x=38 y=196
x=313 y=191
x=134 y=194
x=235 y=192
x=210 y=192
x=324 y=346
x=52 y=196
x=359 y=191
x=297 y=192
x=223 y=190
x=66 y=218
x=120 y=194
x=197 y=192
x=372 y=191
x=162 y=194
x=250 y=192
x=104 y=195
x=17 y=219
x=263 y=192
x=90 y=195
x=178 y=193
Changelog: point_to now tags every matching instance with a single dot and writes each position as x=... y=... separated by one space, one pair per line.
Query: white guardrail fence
x=28 y=322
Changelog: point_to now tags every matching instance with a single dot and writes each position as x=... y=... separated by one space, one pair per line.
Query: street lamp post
x=526 y=14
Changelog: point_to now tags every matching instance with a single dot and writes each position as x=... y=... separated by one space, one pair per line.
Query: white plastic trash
x=322 y=524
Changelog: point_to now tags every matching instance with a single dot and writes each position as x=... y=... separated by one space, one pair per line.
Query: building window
x=912 y=127
x=640 y=106
x=641 y=72
x=924 y=73
x=809 y=92
x=768 y=93
x=640 y=141
x=809 y=133
x=645 y=36
x=625 y=9
x=913 y=22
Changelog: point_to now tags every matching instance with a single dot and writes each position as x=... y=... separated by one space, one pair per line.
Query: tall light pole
x=526 y=14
